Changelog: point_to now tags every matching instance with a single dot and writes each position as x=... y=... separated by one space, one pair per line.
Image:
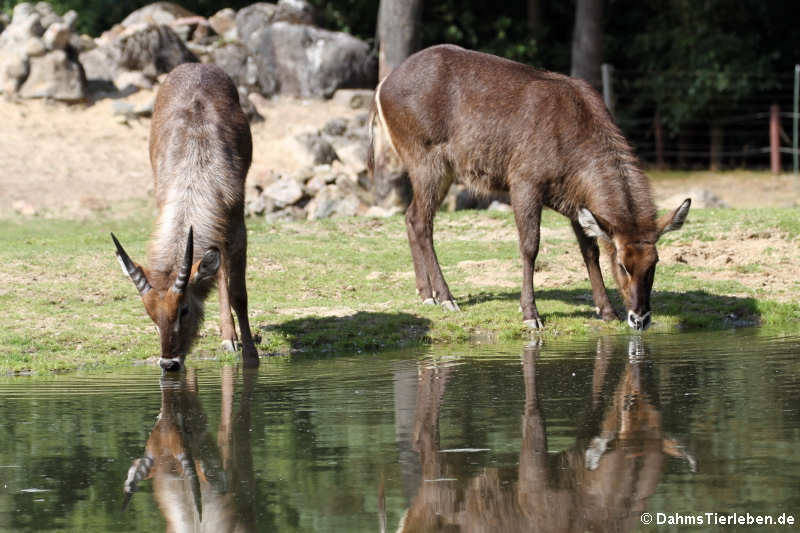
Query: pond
x=599 y=435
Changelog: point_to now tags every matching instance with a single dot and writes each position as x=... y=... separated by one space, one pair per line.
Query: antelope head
x=174 y=300
x=633 y=258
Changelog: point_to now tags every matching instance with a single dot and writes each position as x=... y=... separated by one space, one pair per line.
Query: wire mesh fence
x=726 y=132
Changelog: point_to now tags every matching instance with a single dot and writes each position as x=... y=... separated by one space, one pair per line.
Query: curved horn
x=186 y=267
x=128 y=267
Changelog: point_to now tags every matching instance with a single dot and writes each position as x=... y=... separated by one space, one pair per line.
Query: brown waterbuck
x=548 y=140
x=200 y=151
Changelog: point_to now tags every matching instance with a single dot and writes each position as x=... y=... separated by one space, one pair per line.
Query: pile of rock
x=38 y=54
x=266 y=48
x=334 y=183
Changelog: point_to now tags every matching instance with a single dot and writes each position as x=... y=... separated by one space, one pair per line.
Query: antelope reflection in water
x=600 y=484
x=199 y=483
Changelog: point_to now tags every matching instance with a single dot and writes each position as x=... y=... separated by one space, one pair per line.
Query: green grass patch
x=347 y=285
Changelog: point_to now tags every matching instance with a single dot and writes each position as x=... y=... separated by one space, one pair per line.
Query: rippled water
x=553 y=437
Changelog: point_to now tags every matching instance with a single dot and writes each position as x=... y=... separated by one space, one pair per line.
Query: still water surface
x=552 y=437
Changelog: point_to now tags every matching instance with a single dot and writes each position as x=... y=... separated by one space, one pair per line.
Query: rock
x=288 y=214
x=294 y=12
x=56 y=37
x=377 y=211
x=82 y=43
x=23 y=208
x=14 y=68
x=320 y=150
x=157 y=13
x=70 y=19
x=237 y=63
x=223 y=23
x=151 y=50
x=130 y=81
x=354 y=98
x=331 y=201
x=48 y=16
x=502 y=207
x=248 y=107
x=121 y=107
x=254 y=17
x=701 y=198
x=54 y=76
x=310 y=62
x=284 y=192
x=335 y=127
x=354 y=158
x=34 y=47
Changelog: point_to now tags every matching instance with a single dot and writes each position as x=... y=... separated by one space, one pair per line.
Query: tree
x=399 y=33
x=587 y=42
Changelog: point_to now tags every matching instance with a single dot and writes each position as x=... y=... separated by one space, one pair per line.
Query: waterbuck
x=200 y=151
x=548 y=140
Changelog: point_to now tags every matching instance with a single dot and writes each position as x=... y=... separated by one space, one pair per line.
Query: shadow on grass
x=362 y=331
x=693 y=309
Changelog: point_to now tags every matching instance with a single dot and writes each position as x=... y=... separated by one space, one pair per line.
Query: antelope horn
x=186 y=267
x=128 y=267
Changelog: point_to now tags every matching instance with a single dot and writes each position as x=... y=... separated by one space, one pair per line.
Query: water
x=563 y=436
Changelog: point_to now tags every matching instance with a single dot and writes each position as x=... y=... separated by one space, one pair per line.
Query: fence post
x=775 y=138
x=658 y=130
x=794 y=116
x=608 y=91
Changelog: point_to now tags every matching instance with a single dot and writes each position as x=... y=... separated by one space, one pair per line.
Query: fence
x=759 y=131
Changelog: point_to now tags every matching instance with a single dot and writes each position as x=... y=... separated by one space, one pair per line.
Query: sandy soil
x=72 y=161
x=76 y=161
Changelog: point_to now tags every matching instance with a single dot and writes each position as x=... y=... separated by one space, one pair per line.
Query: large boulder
x=156 y=14
x=54 y=75
x=149 y=50
x=310 y=62
x=235 y=59
x=256 y=16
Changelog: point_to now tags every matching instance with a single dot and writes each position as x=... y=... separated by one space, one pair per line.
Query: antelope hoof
x=450 y=305
x=230 y=345
x=534 y=323
x=429 y=301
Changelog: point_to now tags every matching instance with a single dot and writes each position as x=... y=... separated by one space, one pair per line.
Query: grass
x=346 y=285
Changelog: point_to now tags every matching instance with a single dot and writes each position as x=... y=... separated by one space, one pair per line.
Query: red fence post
x=775 y=138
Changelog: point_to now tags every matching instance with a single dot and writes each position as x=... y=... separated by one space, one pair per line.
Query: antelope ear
x=673 y=221
x=207 y=267
x=591 y=226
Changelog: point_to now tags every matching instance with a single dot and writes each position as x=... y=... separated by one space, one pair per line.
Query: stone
x=236 y=61
x=284 y=192
x=332 y=201
x=320 y=150
x=70 y=19
x=354 y=98
x=377 y=211
x=294 y=12
x=250 y=111
x=157 y=13
x=34 y=47
x=150 y=50
x=14 y=68
x=223 y=22
x=499 y=206
x=310 y=62
x=54 y=76
x=56 y=37
x=254 y=17
x=23 y=208
x=354 y=158
x=335 y=127
x=701 y=198
x=46 y=13
x=130 y=79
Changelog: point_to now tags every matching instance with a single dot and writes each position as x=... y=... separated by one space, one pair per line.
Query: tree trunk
x=535 y=17
x=399 y=33
x=587 y=42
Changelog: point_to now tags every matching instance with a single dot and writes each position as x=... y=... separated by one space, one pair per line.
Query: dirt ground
x=76 y=161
